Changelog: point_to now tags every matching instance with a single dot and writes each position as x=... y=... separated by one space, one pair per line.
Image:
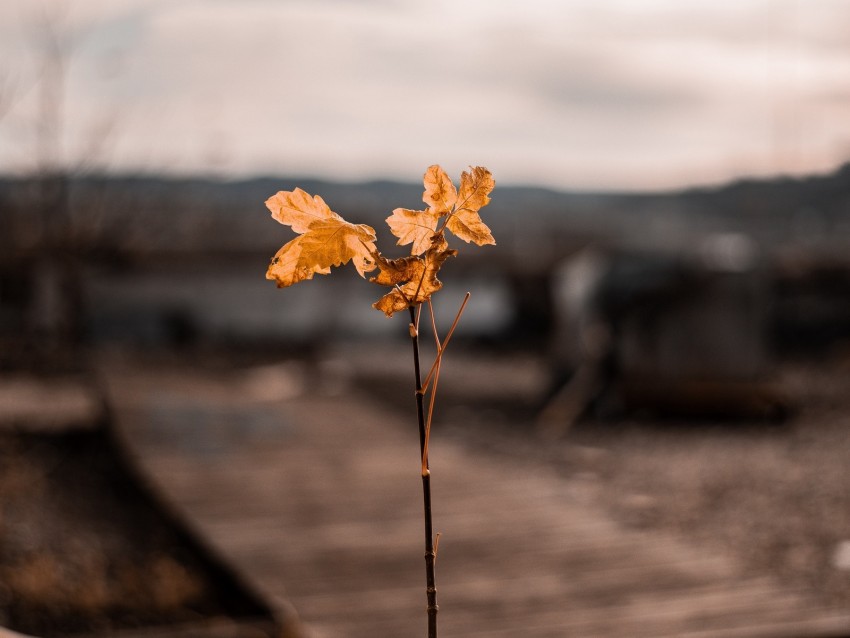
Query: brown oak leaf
x=414 y=226
x=414 y=278
x=459 y=208
x=298 y=209
x=325 y=239
x=464 y=221
x=440 y=193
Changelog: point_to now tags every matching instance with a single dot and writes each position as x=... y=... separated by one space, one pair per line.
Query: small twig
x=434 y=324
x=424 y=387
x=431 y=399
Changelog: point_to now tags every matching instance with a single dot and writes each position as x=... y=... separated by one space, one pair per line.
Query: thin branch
x=434 y=325
x=424 y=387
x=425 y=466
x=432 y=398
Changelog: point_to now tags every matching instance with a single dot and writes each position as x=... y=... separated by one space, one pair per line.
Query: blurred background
x=664 y=322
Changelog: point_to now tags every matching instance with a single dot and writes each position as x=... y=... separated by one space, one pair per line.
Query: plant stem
x=430 y=554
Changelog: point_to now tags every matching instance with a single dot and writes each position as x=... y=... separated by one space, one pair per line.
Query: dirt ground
x=299 y=469
x=774 y=496
x=85 y=547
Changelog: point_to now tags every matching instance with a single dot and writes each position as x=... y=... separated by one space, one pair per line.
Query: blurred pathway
x=317 y=499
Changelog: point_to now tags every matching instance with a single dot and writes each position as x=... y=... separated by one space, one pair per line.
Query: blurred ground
x=85 y=547
x=776 y=495
x=305 y=475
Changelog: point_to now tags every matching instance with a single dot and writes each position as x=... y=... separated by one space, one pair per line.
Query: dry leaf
x=460 y=209
x=414 y=278
x=392 y=272
x=326 y=239
x=440 y=193
x=414 y=226
x=464 y=221
x=298 y=209
x=286 y=267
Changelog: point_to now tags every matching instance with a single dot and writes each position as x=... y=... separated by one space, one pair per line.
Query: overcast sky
x=612 y=94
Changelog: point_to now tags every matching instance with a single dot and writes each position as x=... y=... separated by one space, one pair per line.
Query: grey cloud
x=836 y=98
x=603 y=87
x=122 y=31
x=813 y=25
x=587 y=75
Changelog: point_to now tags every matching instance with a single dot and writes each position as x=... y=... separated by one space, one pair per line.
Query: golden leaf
x=414 y=226
x=464 y=221
x=325 y=239
x=460 y=209
x=414 y=278
x=298 y=209
x=392 y=272
x=440 y=194
x=286 y=267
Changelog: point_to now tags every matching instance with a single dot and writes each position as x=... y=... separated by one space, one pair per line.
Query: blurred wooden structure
x=664 y=334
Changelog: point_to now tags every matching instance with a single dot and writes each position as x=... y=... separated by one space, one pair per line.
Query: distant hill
x=144 y=214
